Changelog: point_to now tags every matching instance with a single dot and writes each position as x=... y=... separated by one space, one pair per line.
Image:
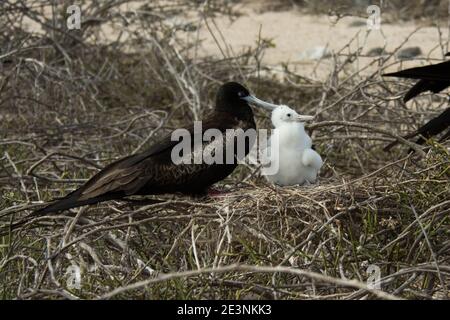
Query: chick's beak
x=302 y=118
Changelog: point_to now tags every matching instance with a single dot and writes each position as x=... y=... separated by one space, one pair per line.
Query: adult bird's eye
x=241 y=94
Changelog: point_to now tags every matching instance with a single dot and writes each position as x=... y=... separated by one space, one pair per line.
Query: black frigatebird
x=154 y=172
x=434 y=78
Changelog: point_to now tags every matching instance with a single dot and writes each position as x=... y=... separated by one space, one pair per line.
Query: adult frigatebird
x=434 y=78
x=154 y=172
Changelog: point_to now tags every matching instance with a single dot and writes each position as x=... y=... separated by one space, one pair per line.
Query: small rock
x=375 y=52
x=409 y=53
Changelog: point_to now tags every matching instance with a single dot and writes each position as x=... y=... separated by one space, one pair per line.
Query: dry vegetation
x=72 y=102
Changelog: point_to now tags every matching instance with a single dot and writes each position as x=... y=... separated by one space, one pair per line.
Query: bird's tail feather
x=71 y=201
x=68 y=202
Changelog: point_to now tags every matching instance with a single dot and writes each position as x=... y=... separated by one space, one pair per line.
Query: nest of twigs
x=72 y=102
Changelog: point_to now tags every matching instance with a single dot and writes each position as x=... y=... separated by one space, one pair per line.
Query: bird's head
x=283 y=115
x=233 y=97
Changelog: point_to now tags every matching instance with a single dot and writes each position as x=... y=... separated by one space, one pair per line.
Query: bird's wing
x=437 y=72
x=434 y=126
x=112 y=179
x=429 y=129
x=150 y=171
x=311 y=158
x=434 y=78
x=445 y=136
x=120 y=175
x=129 y=174
x=425 y=85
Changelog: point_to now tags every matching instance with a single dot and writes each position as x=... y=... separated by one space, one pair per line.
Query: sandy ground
x=294 y=35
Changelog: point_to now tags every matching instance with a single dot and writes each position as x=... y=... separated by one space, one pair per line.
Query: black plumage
x=433 y=127
x=434 y=78
x=153 y=171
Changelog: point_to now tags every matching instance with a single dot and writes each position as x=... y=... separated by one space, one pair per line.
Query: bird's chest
x=245 y=123
x=292 y=139
x=222 y=146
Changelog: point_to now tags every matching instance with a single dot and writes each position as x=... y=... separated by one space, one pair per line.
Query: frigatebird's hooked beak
x=259 y=102
x=302 y=118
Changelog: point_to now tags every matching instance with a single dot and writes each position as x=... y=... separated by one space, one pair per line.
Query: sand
x=295 y=36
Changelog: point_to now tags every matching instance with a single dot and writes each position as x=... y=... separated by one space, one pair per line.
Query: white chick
x=292 y=157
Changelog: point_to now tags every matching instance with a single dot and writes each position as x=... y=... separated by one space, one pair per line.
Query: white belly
x=290 y=169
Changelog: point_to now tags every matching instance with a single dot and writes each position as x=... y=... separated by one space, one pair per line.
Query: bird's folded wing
x=436 y=125
x=120 y=176
x=118 y=179
x=131 y=173
x=425 y=85
x=438 y=72
x=311 y=158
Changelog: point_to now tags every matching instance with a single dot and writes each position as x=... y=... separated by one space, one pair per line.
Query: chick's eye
x=288 y=114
